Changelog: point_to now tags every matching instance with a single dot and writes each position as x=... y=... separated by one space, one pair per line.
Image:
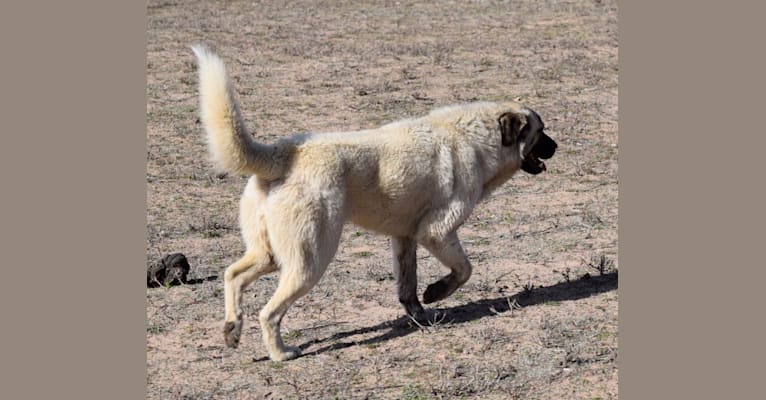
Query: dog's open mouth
x=544 y=148
x=533 y=165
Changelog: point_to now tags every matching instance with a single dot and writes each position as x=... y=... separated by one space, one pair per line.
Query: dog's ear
x=510 y=128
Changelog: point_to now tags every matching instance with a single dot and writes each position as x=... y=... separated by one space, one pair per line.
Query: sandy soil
x=537 y=320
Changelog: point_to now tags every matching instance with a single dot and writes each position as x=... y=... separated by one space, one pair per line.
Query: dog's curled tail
x=231 y=147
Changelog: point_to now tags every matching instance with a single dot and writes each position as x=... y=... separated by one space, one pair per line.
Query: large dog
x=415 y=180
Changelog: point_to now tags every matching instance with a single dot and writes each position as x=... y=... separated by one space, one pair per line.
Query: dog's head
x=526 y=130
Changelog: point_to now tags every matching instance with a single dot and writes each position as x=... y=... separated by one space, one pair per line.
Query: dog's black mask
x=543 y=148
x=537 y=144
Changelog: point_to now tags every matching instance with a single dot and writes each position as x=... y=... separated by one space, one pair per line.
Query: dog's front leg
x=405 y=271
x=450 y=253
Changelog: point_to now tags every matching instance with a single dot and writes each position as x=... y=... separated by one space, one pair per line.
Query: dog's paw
x=413 y=309
x=232 y=331
x=435 y=292
x=288 y=353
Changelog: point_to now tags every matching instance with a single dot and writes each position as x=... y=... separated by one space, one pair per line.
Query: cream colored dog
x=416 y=180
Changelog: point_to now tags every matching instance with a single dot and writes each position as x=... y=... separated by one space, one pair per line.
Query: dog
x=416 y=180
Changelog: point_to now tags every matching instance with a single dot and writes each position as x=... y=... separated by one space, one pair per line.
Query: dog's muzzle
x=543 y=149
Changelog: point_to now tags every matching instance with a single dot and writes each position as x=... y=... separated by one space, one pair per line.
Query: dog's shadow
x=583 y=287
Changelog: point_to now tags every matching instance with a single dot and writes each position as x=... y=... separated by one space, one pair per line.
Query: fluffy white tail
x=231 y=147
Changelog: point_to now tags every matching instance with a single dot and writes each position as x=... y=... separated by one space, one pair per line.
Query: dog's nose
x=546 y=148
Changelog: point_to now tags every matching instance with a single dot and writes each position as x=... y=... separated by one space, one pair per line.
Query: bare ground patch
x=538 y=319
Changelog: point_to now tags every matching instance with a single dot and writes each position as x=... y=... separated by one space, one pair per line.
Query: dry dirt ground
x=538 y=319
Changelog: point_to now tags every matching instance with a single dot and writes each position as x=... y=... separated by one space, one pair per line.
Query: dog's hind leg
x=292 y=285
x=256 y=262
x=238 y=276
x=304 y=238
x=405 y=271
x=450 y=253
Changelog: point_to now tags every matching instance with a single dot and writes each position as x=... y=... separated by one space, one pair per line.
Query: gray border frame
x=73 y=211
x=73 y=149
x=689 y=214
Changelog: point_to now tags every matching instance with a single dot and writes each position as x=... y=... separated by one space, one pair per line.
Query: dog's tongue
x=542 y=165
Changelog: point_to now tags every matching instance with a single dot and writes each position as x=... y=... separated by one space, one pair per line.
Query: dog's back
x=441 y=153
